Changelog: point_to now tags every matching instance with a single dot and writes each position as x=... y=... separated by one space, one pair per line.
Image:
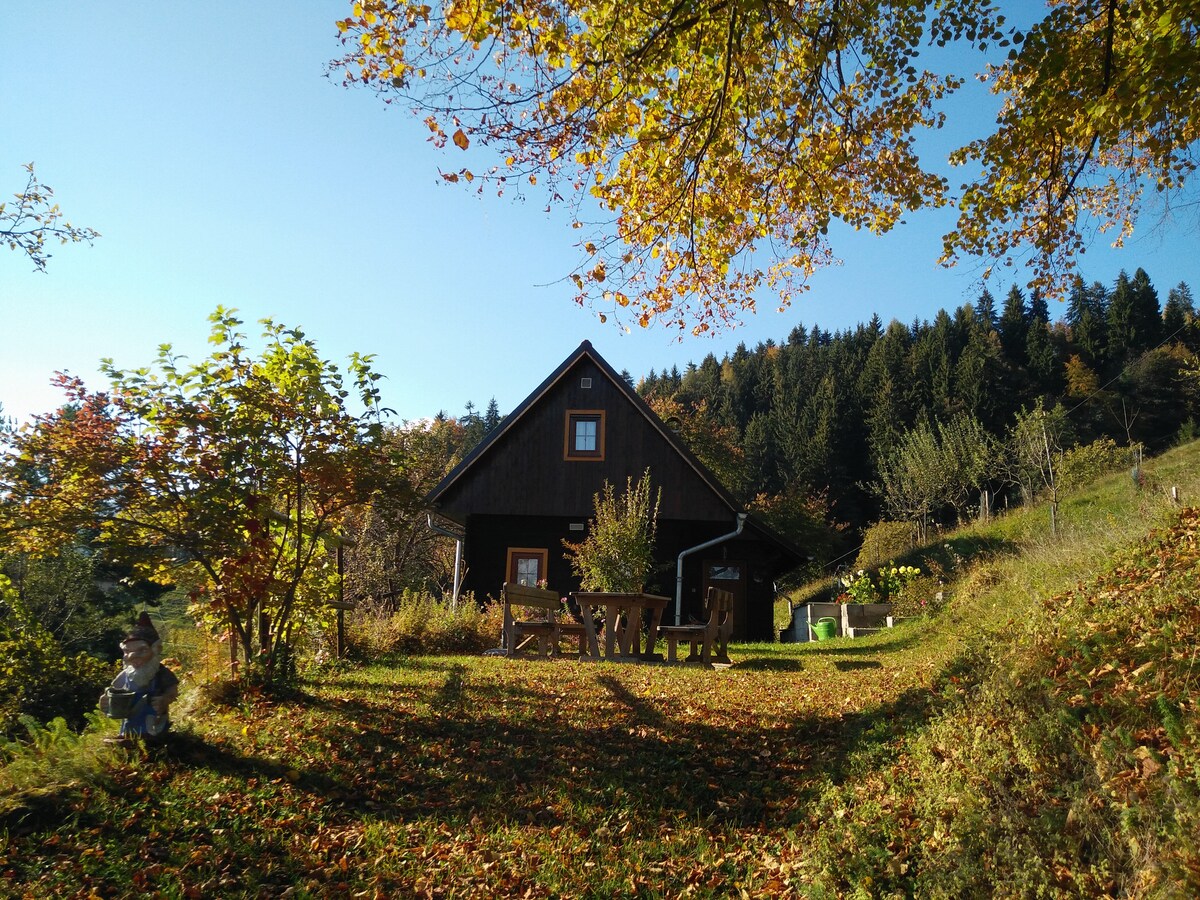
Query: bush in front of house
x=618 y=552
x=419 y=623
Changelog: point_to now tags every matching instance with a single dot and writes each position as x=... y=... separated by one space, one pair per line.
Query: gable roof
x=584 y=351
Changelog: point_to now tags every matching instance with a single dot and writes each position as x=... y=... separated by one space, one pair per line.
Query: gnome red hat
x=143 y=630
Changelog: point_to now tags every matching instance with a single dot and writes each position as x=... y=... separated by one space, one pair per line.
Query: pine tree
x=1014 y=326
x=985 y=309
x=1087 y=315
x=1179 y=316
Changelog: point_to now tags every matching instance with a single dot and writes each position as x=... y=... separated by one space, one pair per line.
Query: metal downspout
x=741 y=523
x=457 y=555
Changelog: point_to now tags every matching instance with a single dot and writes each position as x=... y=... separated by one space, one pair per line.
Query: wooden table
x=621 y=643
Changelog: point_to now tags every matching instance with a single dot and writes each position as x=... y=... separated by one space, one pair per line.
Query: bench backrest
x=718 y=606
x=523 y=595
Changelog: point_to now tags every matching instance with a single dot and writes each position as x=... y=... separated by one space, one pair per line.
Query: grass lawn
x=481 y=776
x=803 y=770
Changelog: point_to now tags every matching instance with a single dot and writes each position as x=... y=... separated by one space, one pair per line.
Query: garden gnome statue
x=144 y=689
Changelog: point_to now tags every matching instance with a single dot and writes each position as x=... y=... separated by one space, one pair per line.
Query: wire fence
x=197 y=653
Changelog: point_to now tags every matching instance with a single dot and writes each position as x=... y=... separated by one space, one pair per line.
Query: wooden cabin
x=531 y=483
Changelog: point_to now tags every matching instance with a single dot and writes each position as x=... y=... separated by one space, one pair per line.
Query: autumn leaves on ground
x=1037 y=737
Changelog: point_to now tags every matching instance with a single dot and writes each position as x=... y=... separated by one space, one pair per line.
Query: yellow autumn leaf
x=461 y=141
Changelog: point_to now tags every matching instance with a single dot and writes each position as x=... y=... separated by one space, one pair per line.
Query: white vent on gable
x=585 y=383
x=576 y=526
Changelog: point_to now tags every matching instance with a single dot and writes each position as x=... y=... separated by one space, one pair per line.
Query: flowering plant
x=888 y=584
x=859 y=588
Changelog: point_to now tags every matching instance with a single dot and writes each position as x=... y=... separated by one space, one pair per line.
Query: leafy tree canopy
x=231 y=476
x=719 y=135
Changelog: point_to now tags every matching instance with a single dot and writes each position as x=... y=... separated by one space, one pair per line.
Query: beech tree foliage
x=32 y=218
x=723 y=138
x=231 y=477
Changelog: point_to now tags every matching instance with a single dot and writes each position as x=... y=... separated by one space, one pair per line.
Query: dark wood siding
x=526 y=475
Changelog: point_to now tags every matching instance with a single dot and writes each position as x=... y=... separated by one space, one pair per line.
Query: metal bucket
x=120 y=702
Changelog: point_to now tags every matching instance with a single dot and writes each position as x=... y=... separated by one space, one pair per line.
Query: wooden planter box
x=806 y=615
x=847 y=615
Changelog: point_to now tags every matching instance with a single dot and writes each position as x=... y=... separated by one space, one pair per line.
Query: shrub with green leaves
x=884 y=541
x=886 y=586
x=1085 y=463
x=618 y=552
x=36 y=678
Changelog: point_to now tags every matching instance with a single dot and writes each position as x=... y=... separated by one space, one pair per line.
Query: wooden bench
x=545 y=628
x=575 y=631
x=714 y=633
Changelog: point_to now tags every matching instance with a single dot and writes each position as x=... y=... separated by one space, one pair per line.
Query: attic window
x=585 y=383
x=584 y=437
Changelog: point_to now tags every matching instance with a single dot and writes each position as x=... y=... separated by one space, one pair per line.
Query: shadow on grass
x=891 y=640
x=951 y=551
x=852 y=665
x=471 y=751
x=186 y=749
x=508 y=754
x=771 y=664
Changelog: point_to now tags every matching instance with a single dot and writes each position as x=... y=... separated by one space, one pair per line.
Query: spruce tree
x=1087 y=310
x=1014 y=326
x=985 y=309
x=1042 y=360
x=491 y=417
x=1134 y=321
x=1147 y=316
x=1179 y=316
x=1039 y=309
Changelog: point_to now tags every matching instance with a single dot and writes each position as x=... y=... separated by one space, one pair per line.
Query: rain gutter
x=741 y=523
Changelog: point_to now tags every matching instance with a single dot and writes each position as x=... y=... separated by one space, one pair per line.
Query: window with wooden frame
x=585 y=434
x=527 y=565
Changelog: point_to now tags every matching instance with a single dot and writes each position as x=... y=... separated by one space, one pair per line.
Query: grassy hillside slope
x=1037 y=737
x=1063 y=758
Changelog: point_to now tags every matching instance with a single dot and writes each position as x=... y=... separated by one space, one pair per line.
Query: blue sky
x=222 y=167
